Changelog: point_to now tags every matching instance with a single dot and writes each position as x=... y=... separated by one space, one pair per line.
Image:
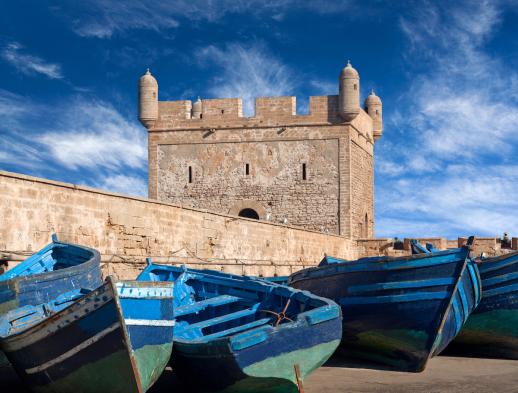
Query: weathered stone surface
x=202 y=162
x=127 y=229
x=274 y=186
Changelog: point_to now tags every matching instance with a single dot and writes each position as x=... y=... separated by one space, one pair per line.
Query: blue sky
x=447 y=73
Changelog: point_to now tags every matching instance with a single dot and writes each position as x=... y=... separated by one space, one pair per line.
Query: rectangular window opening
x=304 y=172
x=247 y=169
x=190 y=174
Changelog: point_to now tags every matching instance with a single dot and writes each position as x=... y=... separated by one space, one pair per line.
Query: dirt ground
x=443 y=374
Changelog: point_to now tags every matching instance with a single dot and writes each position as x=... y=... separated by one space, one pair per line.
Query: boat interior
x=54 y=256
x=213 y=306
x=22 y=318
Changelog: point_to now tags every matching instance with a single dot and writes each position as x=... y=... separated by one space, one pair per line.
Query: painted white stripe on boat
x=73 y=351
x=148 y=322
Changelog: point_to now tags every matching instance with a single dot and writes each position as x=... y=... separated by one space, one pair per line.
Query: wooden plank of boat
x=492 y=329
x=57 y=268
x=398 y=311
x=116 y=338
x=241 y=334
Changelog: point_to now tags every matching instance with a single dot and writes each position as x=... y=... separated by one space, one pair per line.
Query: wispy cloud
x=83 y=140
x=248 y=71
x=29 y=64
x=103 y=18
x=455 y=173
x=93 y=134
x=129 y=185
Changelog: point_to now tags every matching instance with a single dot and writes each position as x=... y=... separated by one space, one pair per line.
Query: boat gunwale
x=111 y=285
x=377 y=265
x=300 y=320
x=49 y=320
x=55 y=274
x=237 y=279
x=488 y=265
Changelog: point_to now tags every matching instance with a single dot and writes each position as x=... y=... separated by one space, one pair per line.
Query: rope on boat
x=281 y=316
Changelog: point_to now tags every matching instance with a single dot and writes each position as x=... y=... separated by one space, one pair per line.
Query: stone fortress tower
x=315 y=171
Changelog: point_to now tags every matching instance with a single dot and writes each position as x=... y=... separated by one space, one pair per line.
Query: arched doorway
x=248 y=213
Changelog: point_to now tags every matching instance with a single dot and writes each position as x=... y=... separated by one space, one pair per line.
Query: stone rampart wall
x=127 y=229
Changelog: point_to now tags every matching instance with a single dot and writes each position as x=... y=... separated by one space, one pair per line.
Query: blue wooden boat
x=57 y=268
x=492 y=329
x=281 y=280
x=398 y=311
x=240 y=334
x=116 y=338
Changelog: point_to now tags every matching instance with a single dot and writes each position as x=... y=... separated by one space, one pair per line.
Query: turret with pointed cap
x=374 y=108
x=148 y=100
x=197 y=109
x=349 y=93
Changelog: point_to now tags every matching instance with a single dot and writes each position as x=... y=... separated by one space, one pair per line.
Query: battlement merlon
x=269 y=112
x=341 y=109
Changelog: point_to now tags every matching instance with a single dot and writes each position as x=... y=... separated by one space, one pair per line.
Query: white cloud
x=87 y=140
x=462 y=107
x=29 y=64
x=459 y=127
x=103 y=18
x=93 y=134
x=247 y=72
x=323 y=87
x=129 y=185
x=464 y=201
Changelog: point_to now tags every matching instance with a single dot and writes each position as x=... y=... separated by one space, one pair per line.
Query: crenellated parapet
x=227 y=113
x=314 y=170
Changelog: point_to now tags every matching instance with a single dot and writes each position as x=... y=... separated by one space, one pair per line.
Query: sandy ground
x=443 y=374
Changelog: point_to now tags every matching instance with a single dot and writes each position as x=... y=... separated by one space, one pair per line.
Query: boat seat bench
x=223 y=318
x=203 y=304
x=237 y=329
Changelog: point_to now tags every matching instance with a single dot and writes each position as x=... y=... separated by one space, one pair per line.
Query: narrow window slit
x=304 y=173
x=190 y=174
x=247 y=169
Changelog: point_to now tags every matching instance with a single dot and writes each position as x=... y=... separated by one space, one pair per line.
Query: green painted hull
x=398 y=348
x=114 y=373
x=492 y=333
x=277 y=375
x=151 y=361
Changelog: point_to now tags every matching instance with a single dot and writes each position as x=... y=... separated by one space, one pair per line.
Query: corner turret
x=374 y=108
x=349 y=93
x=197 y=109
x=148 y=100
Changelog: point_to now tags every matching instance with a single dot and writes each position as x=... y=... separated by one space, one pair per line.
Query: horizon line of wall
x=128 y=229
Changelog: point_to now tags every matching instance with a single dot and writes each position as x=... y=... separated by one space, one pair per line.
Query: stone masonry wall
x=275 y=142
x=362 y=192
x=274 y=186
x=127 y=229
